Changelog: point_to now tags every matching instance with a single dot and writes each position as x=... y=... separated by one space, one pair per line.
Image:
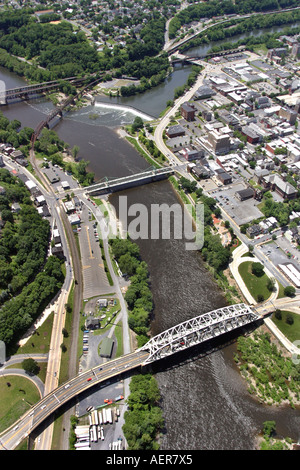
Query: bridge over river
x=26 y=92
x=178 y=338
x=125 y=182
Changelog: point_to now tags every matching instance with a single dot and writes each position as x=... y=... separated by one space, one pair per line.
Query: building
x=92 y=323
x=175 y=131
x=274 y=182
x=224 y=177
x=192 y=154
x=245 y=194
x=188 y=111
x=106 y=347
x=252 y=136
x=288 y=115
x=296 y=50
x=219 y=142
x=204 y=92
x=253 y=231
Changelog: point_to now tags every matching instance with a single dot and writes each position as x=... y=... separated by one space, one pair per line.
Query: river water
x=204 y=399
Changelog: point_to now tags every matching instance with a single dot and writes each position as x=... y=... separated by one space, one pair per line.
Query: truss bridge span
x=198 y=329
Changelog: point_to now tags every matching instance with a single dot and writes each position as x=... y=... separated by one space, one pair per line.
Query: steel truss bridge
x=118 y=184
x=197 y=330
x=25 y=92
x=180 y=337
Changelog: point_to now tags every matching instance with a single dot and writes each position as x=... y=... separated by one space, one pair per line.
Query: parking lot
x=54 y=172
x=242 y=211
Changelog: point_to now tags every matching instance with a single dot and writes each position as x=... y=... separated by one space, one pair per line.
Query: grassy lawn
x=255 y=285
x=292 y=332
x=16 y=399
x=40 y=340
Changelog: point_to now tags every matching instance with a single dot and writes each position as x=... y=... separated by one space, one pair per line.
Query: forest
x=227 y=7
x=138 y=295
x=143 y=419
x=28 y=279
x=62 y=52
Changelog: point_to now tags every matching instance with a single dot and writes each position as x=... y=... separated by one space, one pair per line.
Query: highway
x=53 y=400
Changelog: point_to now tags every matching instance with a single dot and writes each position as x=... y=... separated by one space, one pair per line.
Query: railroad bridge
x=26 y=92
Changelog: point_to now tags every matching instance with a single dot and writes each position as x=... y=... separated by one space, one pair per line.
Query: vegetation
x=60 y=52
x=288 y=323
x=24 y=240
x=28 y=280
x=144 y=417
x=273 y=378
x=257 y=282
x=50 y=146
x=213 y=8
x=18 y=394
x=138 y=295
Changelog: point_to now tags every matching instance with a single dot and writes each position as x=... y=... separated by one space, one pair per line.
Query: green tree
x=30 y=366
x=257 y=269
x=289 y=291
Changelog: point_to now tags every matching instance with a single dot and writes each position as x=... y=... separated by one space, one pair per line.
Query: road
x=45 y=407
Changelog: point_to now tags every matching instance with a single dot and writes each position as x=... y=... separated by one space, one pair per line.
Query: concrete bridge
x=187 y=334
x=26 y=92
x=131 y=181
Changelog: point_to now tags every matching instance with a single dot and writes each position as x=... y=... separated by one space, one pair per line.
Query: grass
x=256 y=285
x=40 y=340
x=292 y=332
x=16 y=399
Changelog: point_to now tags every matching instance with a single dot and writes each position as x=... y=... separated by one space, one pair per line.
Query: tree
x=289 y=319
x=257 y=269
x=278 y=314
x=30 y=366
x=271 y=284
x=269 y=428
x=289 y=291
x=137 y=124
x=75 y=151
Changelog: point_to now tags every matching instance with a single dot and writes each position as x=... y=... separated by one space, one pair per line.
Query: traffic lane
x=78 y=384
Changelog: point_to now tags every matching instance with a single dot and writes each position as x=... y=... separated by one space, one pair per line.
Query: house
x=253 y=231
x=92 y=323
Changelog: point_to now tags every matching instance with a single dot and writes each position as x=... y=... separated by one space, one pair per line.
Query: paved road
x=38 y=413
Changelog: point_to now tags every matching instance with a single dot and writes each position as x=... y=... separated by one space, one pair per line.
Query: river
x=204 y=399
